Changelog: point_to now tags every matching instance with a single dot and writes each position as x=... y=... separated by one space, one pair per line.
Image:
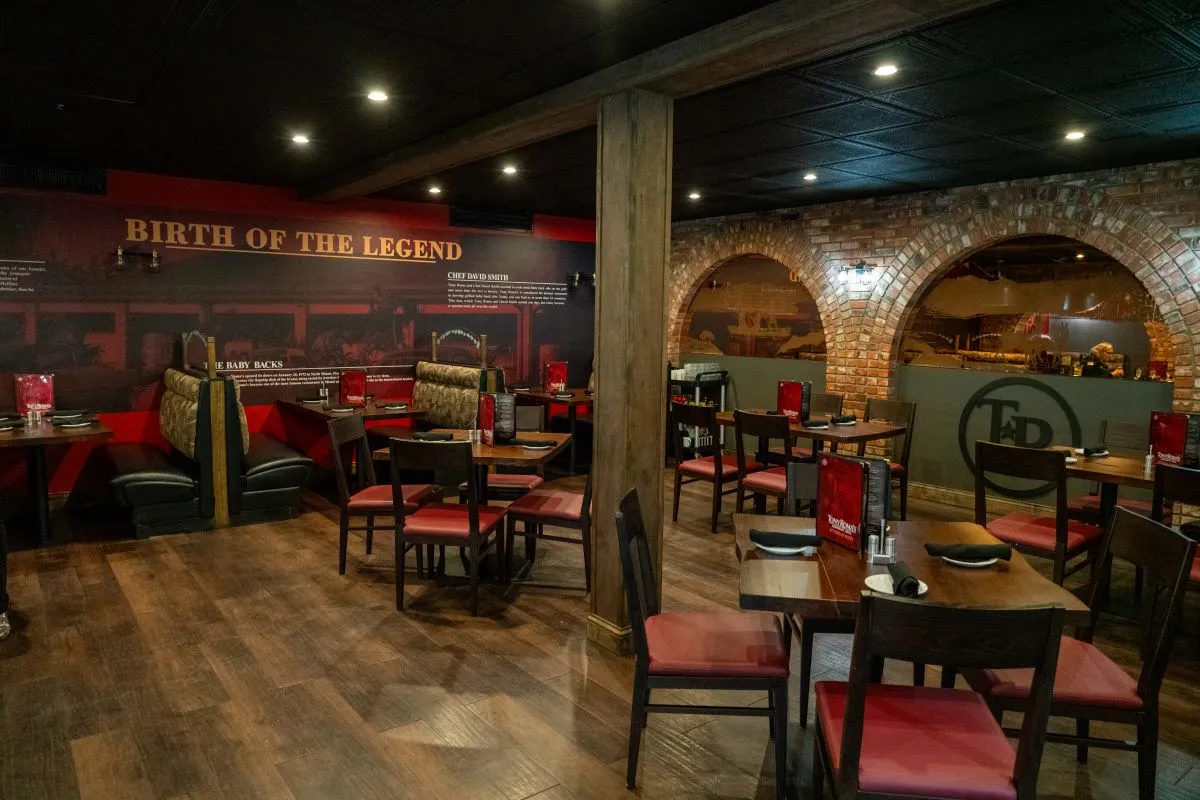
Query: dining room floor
x=239 y=664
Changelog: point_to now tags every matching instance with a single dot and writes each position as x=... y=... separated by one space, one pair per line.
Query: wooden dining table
x=829 y=583
x=860 y=433
x=370 y=411
x=1111 y=472
x=579 y=397
x=35 y=438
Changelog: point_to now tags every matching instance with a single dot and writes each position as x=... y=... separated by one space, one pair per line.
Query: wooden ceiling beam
x=783 y=34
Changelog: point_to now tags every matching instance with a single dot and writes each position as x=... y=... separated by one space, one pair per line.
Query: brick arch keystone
x=1165 y=265
x=697 y=254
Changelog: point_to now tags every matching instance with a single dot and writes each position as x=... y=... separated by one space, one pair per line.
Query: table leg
x=1108 y=506
x=571 y=414
x=39 y=489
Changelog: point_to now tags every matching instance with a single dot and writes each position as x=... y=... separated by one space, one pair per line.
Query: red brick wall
x=1147 y=217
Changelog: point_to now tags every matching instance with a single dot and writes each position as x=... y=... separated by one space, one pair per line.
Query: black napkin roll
x=903 y=582
x=531 y=443
x=784 y=539
x=1191 y=530
x=844 y=418
x=1095 y=452
x=970 y=552
x=430 y=436
x=68 y=412
x=12 y=422
x=816 y=425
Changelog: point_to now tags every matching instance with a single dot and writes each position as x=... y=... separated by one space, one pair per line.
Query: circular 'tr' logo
x=1018 y=411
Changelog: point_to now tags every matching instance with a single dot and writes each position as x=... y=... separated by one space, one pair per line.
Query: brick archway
x=1150 y=250
x=696 y=255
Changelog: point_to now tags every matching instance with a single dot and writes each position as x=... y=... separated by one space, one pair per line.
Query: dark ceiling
x=986 y=97
x=214 y=88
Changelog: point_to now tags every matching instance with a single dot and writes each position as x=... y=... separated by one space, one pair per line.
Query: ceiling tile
x=852 y=118
x=830 y=151
x=917 y=63
x=910 y=137
x=966 y=93
x=883 y=165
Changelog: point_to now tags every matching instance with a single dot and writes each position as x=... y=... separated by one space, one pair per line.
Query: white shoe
x=5 y=628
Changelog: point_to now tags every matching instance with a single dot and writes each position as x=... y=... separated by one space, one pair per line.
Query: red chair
x=370 y=499
x=1059 y=537
x=1182 y=485
x=1121 y=438
x=878 y=742
x=905 y=413
x=765 y=475
x=709 y=463
x=1087 y=684
x=553 y=508
x=692 y=650
x=475 y=528
x=505 y=485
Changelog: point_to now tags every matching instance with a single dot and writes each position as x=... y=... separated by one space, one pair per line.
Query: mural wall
x=753 y=306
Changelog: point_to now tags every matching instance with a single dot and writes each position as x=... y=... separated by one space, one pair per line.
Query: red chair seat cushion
x=923 y=742
x=897 y=469
x=450 y=521
x=771 y=481
x=1084 y=676
x=379 y=498
x=1194 y=577
x=706 y=467
x=1029 y=530
x=1090 y=503
x=722 y=644
x=548 y=504
x=510 y=482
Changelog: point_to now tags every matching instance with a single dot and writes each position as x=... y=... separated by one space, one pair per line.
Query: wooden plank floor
x=239 y=664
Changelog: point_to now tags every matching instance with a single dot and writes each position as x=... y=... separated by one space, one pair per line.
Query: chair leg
x=918 y=674
x=771 y=718
x=760 y=503
x=949 y=674
x=420 y=561
x=343 y=540
x=400 y=571
x=716 y=506
x=779 y=718
x=904 y=498
x=675 y=502
x=475 y=580
x=1081 y=730
x=587 y=557
x=510 y=536
x=806 y=651
x=818 y=768
x=1147 y=735
x=637 y=722
x=741 y=499
x=370 y=532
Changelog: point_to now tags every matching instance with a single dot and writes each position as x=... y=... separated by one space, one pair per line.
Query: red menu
x=841 y=501
x=352 y=387
x=34 y=393
x=554 y=376
x=487 y=419
x=789 y=398
x=1175 y=438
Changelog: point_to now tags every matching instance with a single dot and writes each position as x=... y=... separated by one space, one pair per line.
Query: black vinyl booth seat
x=271 y=478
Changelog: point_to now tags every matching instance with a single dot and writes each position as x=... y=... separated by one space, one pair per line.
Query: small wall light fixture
x=576 y=279
x=856 y=276
x=149 y=261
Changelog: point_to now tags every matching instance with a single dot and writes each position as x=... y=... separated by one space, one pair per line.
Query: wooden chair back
x=1165 y=557
x=765 y=428
x=450 y=462
x=1021 y=462
x=1174 y=485
x=901 y=412
x=801 y=485
x=348 y=434
x=530 y=418
x=911 y=630
x=826 y=404
x=641 y=588
x=685 y=416
x=1125 y=438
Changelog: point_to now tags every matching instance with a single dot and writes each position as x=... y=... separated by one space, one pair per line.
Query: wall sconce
x=149 y=260
x=574 y=280
x=856 y=276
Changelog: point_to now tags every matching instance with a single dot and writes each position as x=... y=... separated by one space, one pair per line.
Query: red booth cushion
x=1028 y=530
x=548 y=504
x=771 y=481
x=379 y=498
x=450 y=520
x=924 y=742
x=1084 y=676
x=706 y=467
x=722 y=644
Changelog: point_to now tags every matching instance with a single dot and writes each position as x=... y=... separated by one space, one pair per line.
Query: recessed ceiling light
x=435 y=189
x=693 y=195
x=300 y=138
x=377 y=96
x=1080 y=256
x=509 y=169
x=884 y=70
x=1074 y=136
x=810 y=176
